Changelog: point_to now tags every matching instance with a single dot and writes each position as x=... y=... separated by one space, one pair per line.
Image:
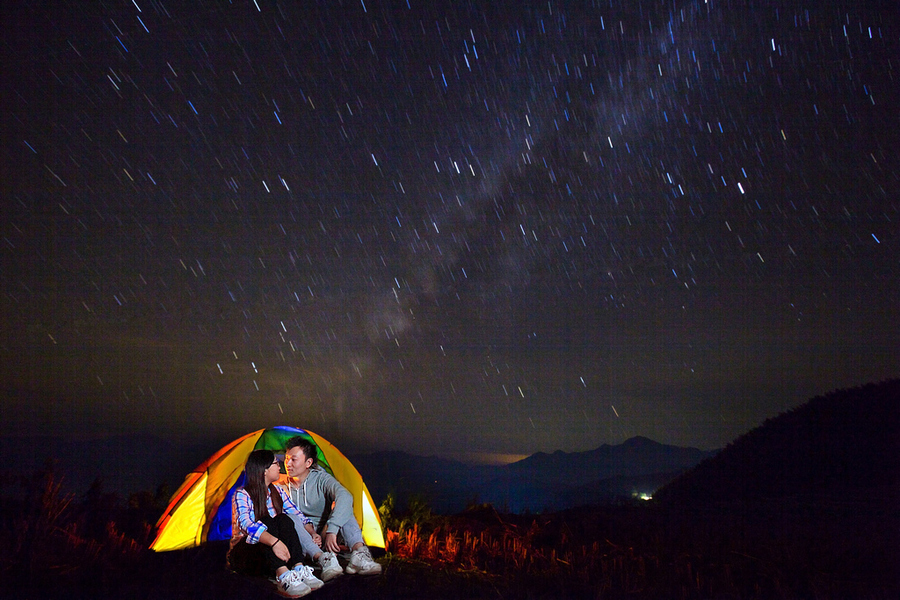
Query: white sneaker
x=306 y=576
x=290 y=585
x=331 y=568
x=361 y=563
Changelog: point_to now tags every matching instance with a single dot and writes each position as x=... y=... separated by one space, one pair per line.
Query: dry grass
x=646 y=552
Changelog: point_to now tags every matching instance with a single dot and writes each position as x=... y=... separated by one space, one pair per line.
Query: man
x=330 y=507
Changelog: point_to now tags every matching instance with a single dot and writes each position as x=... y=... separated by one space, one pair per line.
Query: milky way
x=446 y=227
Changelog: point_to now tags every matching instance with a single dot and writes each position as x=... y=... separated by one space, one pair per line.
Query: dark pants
x=260 y=559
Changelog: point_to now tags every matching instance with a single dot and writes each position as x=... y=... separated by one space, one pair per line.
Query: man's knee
x=282 y=523
x=283 y=519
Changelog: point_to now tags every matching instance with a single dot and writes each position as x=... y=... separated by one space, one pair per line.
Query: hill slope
x=844 y=445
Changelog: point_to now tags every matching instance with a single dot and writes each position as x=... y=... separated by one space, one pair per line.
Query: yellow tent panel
x=182 y=527
x=371 y=522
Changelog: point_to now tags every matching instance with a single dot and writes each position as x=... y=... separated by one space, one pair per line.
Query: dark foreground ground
x=783 y=550
x=200 y=573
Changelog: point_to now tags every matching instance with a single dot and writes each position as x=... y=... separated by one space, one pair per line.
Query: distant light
x=646 y=497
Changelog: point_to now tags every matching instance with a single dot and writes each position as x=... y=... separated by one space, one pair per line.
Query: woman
x=263 y=537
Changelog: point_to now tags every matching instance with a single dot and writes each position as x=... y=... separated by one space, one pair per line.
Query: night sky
x=448 y=228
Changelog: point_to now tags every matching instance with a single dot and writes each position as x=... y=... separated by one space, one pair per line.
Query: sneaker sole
x=285 y=594
x=357 y=571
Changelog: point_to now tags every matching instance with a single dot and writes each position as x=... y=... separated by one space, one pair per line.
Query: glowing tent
x=200 y=510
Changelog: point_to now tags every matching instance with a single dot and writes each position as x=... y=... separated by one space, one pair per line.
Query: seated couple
x=288 y=527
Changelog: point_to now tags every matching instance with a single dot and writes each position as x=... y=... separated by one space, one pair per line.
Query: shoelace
x=303 y=571
x=285 y=580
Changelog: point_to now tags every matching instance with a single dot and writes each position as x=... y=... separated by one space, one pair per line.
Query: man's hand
x=331 y=543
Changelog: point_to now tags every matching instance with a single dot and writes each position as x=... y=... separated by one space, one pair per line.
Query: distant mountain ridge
x=635 y=456
x=609 y=473
x=539 y=482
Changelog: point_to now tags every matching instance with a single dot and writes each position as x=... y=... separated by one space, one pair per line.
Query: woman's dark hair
x=309 y=449
x=257 y=463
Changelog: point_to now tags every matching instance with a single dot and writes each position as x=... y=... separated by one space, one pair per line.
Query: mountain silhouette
x=537 y=483
x=812 y=493
x=636 y=456
x=600 y=476
x=843 y=446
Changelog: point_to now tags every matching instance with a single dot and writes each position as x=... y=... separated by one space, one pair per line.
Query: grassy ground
x=200 y=574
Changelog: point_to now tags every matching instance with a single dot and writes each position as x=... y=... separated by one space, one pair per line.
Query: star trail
x=445 y=227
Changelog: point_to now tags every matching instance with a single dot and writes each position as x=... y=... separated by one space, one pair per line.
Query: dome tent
x=200 y=510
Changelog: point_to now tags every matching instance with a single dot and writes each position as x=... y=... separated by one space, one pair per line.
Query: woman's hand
x=281 y=551
x=316 y=538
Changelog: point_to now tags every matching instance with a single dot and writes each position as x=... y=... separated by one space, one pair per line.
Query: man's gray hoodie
x=314 y=498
